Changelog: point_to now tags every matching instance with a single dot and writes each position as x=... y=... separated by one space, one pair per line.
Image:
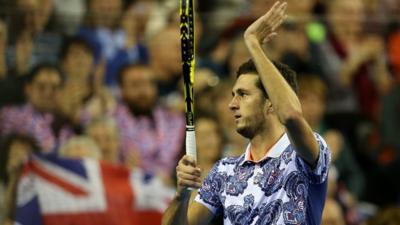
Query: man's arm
x=283 y=98
x=180 y=212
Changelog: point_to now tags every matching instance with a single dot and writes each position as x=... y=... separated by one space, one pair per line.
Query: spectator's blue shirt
x=279 y=189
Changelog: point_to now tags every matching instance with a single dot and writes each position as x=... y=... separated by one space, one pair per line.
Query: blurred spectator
x=101 y=28
x=79 y=147
x=238 y=54
x=113 y=34
x=68 y=15
x=295 y=48
x=77 y=64
x=39 y=116
x=132 y=51
x=209 y=139
x=313 y=94
x=386 y=216
x=149 y=129
x=332 y=214
x=14 y=151
x=104 y=132
x=31 y=43
x=352 y=58
x=11 y=87
x=165 y=59
x=83 y=95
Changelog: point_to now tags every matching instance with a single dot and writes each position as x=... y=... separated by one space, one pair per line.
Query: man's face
x=139 y=89
x=43 y=90
x=107 y=140
x=78 y=63
x=248 y=106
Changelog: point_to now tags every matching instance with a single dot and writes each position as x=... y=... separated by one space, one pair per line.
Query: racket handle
x=191 y=145
x=191 y=142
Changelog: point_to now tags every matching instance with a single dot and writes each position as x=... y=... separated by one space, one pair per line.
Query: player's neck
x=262 y=142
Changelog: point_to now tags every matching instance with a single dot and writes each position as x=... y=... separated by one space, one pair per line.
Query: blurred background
x=92 y=108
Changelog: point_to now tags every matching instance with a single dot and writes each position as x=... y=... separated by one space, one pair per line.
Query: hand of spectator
x=264 y=28
x=70 y=100
x=188 y=174
x=132 y=159
x=15 y=163
x=23 y=52
x=369 y=49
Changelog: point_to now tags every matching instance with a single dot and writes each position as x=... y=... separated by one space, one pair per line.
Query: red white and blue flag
x=54 y=190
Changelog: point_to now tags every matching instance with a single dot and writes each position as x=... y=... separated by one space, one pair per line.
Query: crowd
x=102 y=79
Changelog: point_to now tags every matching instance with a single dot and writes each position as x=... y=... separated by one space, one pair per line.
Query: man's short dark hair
x=38 y=68
x=70 y=41
x=126 y=67
x=289 y=74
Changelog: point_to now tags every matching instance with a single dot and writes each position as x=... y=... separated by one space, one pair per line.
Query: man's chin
x=243 y=131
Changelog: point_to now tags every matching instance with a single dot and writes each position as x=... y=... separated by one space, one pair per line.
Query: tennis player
x=282 y=176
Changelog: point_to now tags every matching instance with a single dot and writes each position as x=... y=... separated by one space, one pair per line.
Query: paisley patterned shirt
x=279 y=189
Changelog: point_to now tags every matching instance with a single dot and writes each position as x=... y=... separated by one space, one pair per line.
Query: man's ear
x=268 y=106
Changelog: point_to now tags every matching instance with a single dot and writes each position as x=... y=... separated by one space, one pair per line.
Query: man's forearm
x=285 y=103
x=177 y=212
x=282 y=97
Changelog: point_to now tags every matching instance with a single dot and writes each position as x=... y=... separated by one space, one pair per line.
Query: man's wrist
x=182 y=194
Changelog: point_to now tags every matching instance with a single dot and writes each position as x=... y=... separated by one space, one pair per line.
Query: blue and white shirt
x=279 y=189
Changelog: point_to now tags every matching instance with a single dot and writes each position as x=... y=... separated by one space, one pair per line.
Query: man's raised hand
x=264 y=28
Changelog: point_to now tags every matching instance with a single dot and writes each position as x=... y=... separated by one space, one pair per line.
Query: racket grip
x=191 y=145
x=191 y=142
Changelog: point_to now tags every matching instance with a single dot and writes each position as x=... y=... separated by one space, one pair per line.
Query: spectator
x=15 y=150
x=386 y=216
x=352 y=58
x=31 y=43
x=80 y=147
x=113 y=34
x=149 y=129
x=332 y=214
x=312 y=94
x=165 y=59
x=83 y=95
x=68 y=15
x=11 y=87
x=209 y=140
x=39 y=116
x=104 y=132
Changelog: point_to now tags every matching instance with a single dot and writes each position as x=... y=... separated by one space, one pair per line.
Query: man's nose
x=233 y=104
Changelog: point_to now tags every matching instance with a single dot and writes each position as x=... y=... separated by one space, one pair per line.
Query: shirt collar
x=274 y=152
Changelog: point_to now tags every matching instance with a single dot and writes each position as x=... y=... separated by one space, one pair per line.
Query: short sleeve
x=213 y=185
x=320 y=172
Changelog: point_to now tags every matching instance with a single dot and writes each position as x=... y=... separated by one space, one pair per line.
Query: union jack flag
x=60 y=191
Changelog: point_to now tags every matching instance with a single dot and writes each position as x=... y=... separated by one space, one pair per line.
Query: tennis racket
x=188 y=63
